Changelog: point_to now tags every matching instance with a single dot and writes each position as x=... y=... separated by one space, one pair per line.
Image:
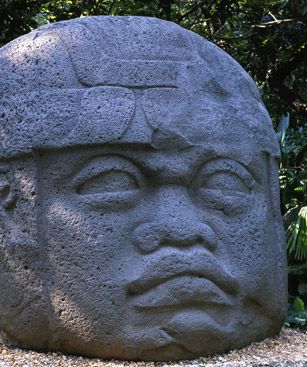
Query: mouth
x=182 y=279
x=182 y=291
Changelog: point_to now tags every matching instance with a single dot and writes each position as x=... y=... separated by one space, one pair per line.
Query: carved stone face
x=158 y=232
x=162 y=249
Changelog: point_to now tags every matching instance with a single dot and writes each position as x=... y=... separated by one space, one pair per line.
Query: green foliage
x=17 y=18
x=293 y=172
x=297 y=315
x=297 y=236
x=299 y=305
x=293 y=184
x=297 y=269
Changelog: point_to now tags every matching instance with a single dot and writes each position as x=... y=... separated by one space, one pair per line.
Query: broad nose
x=176 y=222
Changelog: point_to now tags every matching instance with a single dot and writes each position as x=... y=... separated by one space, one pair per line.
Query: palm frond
x=297 y=236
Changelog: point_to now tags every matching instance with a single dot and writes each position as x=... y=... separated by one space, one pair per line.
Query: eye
x=225 y=175
x=110 y=181
x=225 y=185
x=225 y=181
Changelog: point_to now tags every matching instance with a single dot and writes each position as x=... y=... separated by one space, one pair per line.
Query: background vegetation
x=269 y=39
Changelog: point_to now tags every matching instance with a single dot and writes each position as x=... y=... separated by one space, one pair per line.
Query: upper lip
x=195 y=263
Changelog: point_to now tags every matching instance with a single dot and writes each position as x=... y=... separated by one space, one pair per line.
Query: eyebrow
x=144 y=165
x=129 y=150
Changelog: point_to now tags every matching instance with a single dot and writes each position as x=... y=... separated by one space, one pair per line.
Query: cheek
x=250 y=247
x=85 y=266
x=248 y=242
x=91 y=240
x=66 y=235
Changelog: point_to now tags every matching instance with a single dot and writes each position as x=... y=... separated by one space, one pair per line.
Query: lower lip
x=182 y=291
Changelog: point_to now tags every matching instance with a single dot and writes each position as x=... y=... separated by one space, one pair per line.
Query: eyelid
x=106 y=163
x=226 y=165
x=110 y=200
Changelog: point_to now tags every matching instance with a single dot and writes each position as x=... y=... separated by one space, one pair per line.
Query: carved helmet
x=76 y=82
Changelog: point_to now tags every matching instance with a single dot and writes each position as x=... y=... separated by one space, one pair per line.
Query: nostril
x=208 y=244
x=149 y=237
x=199 y=240
x=207 y=237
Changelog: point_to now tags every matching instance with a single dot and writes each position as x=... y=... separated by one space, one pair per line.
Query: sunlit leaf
x=299 y=304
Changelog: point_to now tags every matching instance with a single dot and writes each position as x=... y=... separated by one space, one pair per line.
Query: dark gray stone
x=139 y=194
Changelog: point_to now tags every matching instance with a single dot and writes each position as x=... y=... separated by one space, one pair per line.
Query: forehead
x=174 y=162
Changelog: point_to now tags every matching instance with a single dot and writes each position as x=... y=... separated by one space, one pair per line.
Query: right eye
x=110 y=181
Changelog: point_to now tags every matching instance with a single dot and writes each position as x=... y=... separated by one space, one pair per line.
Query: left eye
x=224 y=185
x=108 y=182
x=225 y=181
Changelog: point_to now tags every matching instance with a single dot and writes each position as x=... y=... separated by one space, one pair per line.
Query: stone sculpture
x=139 y=194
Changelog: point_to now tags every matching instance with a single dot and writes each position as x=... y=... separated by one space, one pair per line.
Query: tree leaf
x=299 y=304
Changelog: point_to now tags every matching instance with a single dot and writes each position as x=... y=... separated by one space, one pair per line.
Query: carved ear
x=7 y=197
x=8 y=200
x=16 y=248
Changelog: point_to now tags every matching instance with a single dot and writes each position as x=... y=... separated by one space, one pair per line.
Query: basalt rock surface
x=139 y=194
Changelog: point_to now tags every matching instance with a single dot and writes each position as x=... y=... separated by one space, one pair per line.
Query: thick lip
x=183 y=291
x=199 y=263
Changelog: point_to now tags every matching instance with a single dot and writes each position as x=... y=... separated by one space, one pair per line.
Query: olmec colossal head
x=139 y=194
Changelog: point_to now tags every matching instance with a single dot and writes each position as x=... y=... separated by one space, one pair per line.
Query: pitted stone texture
x=139 y=194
